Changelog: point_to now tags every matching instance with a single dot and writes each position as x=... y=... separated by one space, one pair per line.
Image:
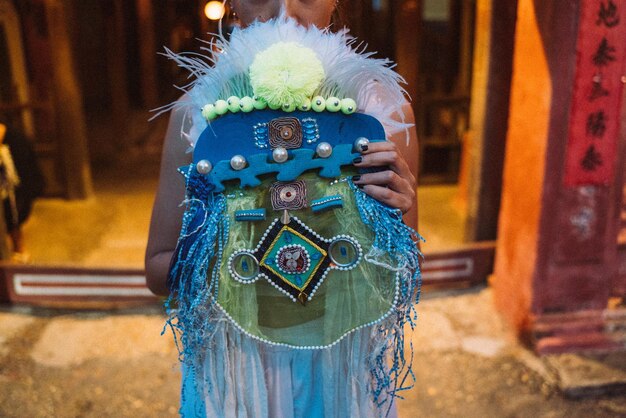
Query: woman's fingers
x=385 y=154
x=394 y=185
x=387 y=186
x=387 y=178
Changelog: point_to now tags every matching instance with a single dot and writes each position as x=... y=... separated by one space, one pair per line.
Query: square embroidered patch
x=289 y=196
x=285 y=132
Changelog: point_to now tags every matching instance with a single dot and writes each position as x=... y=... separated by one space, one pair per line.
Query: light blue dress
x=244 y=378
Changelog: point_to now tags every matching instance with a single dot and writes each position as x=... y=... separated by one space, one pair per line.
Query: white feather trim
x=350 y=72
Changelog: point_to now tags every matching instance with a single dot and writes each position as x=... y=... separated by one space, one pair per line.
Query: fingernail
x=357 y=160
x=356 y=178
x=364 y=148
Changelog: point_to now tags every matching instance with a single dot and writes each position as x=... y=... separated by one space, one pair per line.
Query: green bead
x=208 y=112
x=246 y=104
x=221 y=107
x=333 y=104
x=233 y=104
x=348 y=106
x=289 y=107
x=318 y=104
x=259 y=103
x=305 y=106
x=274 y=106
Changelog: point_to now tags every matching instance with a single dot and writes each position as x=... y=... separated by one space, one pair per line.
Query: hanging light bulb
x=214 y=10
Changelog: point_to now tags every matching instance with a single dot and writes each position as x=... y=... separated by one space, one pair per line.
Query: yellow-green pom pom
x=286 y=73
x=221 y=107
x=233 y=104
x=274 y=106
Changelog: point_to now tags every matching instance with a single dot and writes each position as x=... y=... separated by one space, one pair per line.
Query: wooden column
x=9 y=19
x=70 y=117
x=483 y=150
x=5 y=254
x=407 y=23
x=556 y=258
x=147 y=53
x=116 y=60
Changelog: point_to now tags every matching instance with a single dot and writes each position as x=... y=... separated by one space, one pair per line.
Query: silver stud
x=324 y=149
x=204 y=167
x=280 y=155
x=360 y=143
x=238 y=162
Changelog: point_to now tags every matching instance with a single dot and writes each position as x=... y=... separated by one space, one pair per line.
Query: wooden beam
x=116 y=60
x=489 y=115
x=147 y=53
x=68 y=100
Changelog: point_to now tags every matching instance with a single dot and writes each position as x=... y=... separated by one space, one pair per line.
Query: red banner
x=595 y=113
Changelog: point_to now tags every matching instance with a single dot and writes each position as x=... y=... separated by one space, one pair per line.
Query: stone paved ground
x=116 y=364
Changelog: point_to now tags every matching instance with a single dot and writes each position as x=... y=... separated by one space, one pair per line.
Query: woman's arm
x=397 y=185
x=167 y=213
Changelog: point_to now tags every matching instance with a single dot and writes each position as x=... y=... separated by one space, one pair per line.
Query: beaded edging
x=261 y=251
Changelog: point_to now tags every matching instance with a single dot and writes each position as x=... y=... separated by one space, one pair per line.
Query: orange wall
x=531 y=94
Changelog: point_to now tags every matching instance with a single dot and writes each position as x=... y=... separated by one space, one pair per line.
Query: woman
x=276 y=381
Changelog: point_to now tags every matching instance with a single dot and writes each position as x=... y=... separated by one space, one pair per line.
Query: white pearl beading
x=391 y=310
x=238 y=162
x=324 y=150
x=332 y=266
x=204 y=167
x=325 y=200
x=305 y=254
x=234 y=274
x=280 y=155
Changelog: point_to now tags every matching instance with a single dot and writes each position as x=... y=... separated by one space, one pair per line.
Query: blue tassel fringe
x=396 y=247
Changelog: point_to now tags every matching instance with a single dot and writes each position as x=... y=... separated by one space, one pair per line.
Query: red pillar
x=556 y=263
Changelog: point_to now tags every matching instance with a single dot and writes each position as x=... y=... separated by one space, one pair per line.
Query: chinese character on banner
x=604 y=55
x=594 y=123
x=607 y=15
x=592 y=159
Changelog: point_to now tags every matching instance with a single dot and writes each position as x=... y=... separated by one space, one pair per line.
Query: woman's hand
x=394 y=186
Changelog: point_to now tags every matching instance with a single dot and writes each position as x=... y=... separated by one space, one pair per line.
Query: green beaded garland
x=208 y=112
x=289 y=107
x=233 y=104
x=318 y=104
x=221 y=107
x=348 y=106
x=246 y=104
x=259 y=103
x=333 y=104
x=274 y=106
x=305 y=106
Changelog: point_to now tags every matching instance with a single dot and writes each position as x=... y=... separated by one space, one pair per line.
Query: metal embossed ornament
x=285 y=132
x=289 y=196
